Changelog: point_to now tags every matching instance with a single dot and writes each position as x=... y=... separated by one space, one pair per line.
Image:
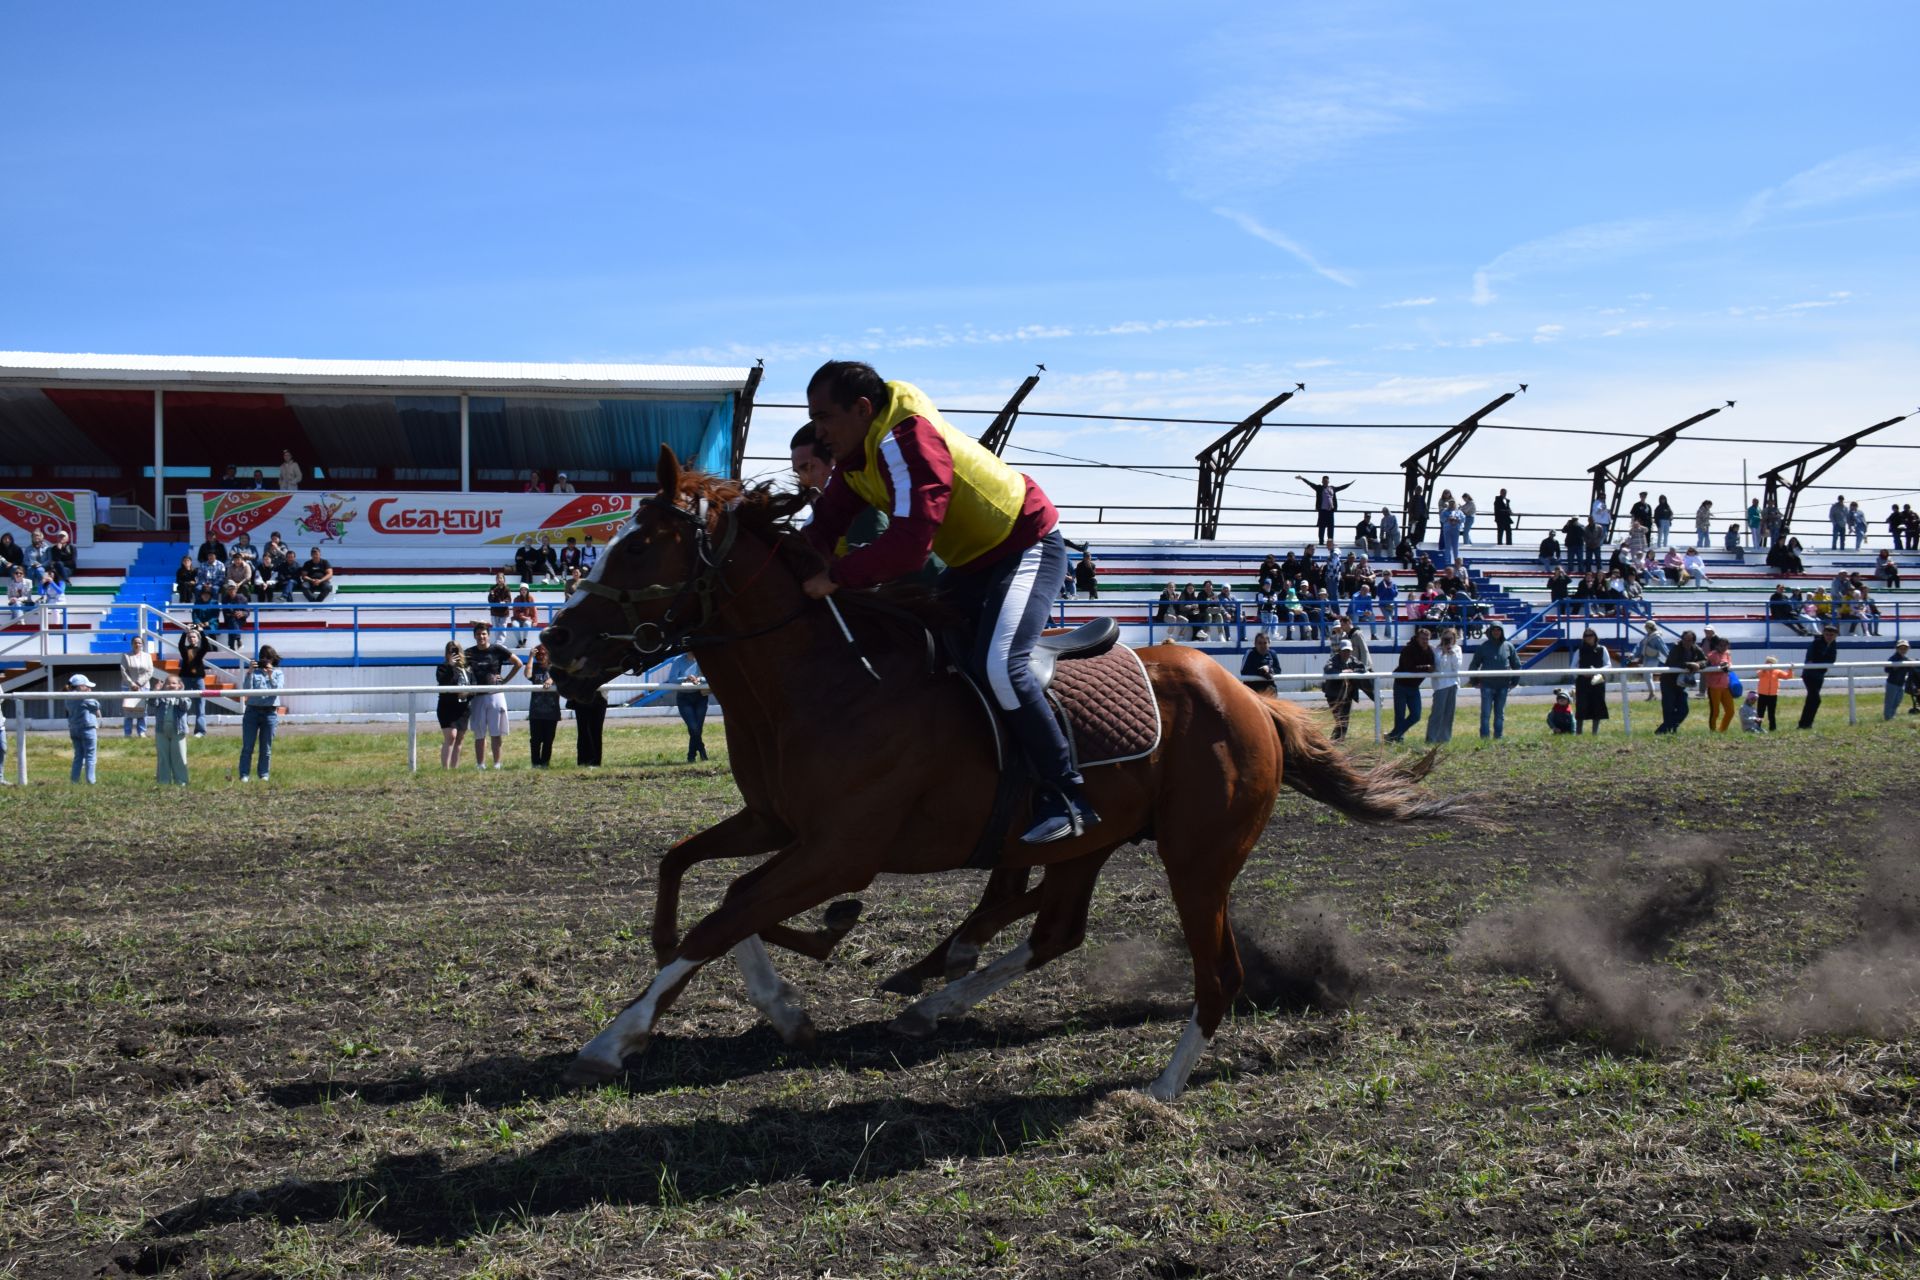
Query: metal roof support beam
x=1810 y=466
x=994 y=438
x=1216 y=462
x=1620 y=470
x=1426 y=466
x=743 y=416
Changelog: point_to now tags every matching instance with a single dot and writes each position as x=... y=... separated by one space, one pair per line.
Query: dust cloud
x=1871 y=985
x=1595 y=950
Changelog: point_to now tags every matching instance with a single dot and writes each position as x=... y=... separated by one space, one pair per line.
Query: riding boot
x=1060 y=810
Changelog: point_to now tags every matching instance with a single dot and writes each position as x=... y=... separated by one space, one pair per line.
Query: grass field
x=1655 y=1019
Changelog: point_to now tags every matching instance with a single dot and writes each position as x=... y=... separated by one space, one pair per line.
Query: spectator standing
x=261 y=687
x=1593 y=535
x=1446 y=688
x=1502 y=519
x=1837 y=517
x=451 y=709
x=1341 y=693
x=589 y=720
x=1326 y=504
x=489 y=664
x=1771 y=530
x=561 y=484
x=1857 y=522
x=1363 y=655
x=170 y=735
x=1900 y=671
x=136 y=673
x=1414 y=666
x=193 y=672
x=543 y=708
x=316 y=577
x=290 y=473
x=1601 y=514
x=1718 y=677
x=1085 y=576
x=1468 y=511
x=1651 y=654
x=1896 y=528
x=1663 y=520
x=1495 y=656
x=1389 y=532
x=1260 y=664
x=692 y=706
x=1824 y=650
x=1451 y=524
x=1753 y=524
x=83 y=729
x=1683 y=660
x=1590 y=692
x=1641 y=510
x=1703 y=524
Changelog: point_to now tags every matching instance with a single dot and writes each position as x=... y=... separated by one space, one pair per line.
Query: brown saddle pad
x=1109 y=707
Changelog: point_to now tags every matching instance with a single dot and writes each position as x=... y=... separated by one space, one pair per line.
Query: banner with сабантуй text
x=23 y=511
x=326 y=517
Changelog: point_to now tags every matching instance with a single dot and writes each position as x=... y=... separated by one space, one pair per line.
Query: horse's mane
x=768 y=512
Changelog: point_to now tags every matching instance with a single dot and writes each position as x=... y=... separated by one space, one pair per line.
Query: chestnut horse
x=855 y=755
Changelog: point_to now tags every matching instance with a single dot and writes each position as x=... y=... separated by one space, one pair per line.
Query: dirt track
x=318 y=1033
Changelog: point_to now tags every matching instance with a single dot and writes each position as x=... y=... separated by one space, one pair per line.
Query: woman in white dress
x=136 y=672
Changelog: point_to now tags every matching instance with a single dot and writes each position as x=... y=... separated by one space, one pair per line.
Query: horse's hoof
x=802 y=1035
x=587 y=1073
x=905 y=983
x=841 y=916
x=913 y=1024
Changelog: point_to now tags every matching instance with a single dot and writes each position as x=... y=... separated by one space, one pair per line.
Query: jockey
x=994 y=528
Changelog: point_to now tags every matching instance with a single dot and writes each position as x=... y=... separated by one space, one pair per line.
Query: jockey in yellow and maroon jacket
x=945 y=494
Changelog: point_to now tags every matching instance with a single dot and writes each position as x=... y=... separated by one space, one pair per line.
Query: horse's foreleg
x=785 y=885
x=1005 y=899
x=771 y=994
x=741 y=835
x=1065 y=895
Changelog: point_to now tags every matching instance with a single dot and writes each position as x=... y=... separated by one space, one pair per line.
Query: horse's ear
x=667 y=472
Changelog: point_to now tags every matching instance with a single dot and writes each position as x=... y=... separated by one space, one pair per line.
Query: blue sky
x=1178 y=209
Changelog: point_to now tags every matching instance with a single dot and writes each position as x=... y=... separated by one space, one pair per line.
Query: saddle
x=1099 y=691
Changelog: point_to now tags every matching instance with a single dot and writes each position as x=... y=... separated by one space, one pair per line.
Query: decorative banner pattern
x=48 y=510
x=363 y=519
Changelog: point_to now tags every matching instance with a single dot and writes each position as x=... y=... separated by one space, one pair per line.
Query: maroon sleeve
x=918 y=471
x=833 y=513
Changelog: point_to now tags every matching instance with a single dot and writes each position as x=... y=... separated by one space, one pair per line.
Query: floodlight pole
x=994 y=438
x=1620 y=470
x=1810 y=466
x=743 y=416
x=1217 y=459
x=1426 y=466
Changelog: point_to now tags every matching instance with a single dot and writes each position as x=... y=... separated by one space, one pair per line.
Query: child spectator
x=526 y=613
x=1750 y=714
x=500 y=598
x=83 y=728
x=19 y=593
x=543 y=708
x=1900 y=672
x=1560 y=719
x=1340 y=694
x=170 y=735
x=263 y=683
x=1767 y=681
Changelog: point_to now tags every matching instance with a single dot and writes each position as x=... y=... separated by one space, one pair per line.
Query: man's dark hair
x=807 y=438
x=845 y=381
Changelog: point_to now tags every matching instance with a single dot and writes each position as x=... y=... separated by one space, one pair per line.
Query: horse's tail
x=1315 y=766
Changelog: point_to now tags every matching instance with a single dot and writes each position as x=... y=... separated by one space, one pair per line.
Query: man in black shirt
x=1688 y=656
x=1824 y=649
x=316 y=578
x=488 y=664
x=1503 y=519
x=1641 y=511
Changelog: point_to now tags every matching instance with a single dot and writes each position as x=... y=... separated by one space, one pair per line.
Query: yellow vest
x=987 y=493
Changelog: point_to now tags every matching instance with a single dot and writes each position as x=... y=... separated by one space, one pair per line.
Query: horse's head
x=656 y=584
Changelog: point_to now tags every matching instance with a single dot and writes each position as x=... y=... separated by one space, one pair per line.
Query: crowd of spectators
x=38 y=574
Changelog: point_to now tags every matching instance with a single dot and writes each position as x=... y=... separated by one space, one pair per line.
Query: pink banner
x=367 y=519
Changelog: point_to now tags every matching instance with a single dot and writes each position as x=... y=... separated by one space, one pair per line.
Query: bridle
x=692 y=603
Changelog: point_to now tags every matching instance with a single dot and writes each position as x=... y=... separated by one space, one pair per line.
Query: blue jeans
x=1406 y=708
x=257 y=725
x=86 y=752
x=1440 y=719
x=1493 y=709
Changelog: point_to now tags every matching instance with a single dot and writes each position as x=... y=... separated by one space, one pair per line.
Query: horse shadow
x=422 y=1199
x=695 y=1062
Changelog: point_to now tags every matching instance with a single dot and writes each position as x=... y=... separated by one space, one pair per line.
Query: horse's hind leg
x=1064 y=895
x=1005 y=899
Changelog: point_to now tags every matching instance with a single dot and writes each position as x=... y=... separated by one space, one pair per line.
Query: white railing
x=523 y=689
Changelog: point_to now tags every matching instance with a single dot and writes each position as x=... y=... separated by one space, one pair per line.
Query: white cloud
x=1548 y=332
x=1409 y=302
x=1280 y=240
x=1853 y=176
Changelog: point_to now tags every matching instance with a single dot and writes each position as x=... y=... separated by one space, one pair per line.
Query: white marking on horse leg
x=1173 y=1081
x=609 y=1049
x=770 y=993
x=957 y=997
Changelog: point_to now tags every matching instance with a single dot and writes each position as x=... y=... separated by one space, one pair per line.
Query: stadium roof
x=679 y=382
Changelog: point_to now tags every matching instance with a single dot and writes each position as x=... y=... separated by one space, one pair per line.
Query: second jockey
x=945 y=494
